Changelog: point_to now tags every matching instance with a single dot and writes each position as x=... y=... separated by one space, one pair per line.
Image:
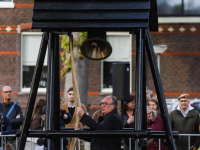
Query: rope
x=76 y=92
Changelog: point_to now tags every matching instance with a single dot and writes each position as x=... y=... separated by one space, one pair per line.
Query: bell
x=96 y=47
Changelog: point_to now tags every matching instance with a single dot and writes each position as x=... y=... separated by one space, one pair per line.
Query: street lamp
x=159 y=49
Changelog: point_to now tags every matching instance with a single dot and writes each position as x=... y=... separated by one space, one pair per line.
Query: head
x=153 y=104
x=130 y=104
x=7 y=94
x=151 y=115
x=184 y=101
x=40 y=104
x=108 y=104
x=149 y=94
x=70 y=95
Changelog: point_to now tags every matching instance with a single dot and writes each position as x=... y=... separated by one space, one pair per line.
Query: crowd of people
x=184 y=119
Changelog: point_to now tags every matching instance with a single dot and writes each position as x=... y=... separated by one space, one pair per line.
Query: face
x=184 y=103
x=131 y=105
x=149 y=115
x=70 y=96
x=7 y=94
x=107 y=105
x=153 y=105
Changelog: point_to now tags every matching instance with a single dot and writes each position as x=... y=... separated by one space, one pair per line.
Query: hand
x=130 y=120
x=80 y=111
x=80 y=126
x=193 y=147
x=18 y=116
x=65 y=116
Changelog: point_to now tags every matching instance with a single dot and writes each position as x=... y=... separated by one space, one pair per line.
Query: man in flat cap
x=185 y=120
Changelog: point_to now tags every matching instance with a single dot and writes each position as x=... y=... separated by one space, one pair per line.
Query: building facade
x=179 y=29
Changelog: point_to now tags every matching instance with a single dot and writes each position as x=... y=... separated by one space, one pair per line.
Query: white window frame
x=7 y=4
x=188 y=19
x=27 y=90
x=106 y=91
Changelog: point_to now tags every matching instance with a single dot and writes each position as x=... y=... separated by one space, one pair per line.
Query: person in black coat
x=5 y=125
x=15 y=115
x=109 y=121
x=65 y=118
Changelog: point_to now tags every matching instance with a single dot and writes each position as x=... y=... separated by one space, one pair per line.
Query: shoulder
x=82 y=105
x=65 y=105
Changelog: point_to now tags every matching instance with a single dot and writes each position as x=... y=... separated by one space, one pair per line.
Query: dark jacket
x=125 y=117
x=62 y=121
x=111 y=121
x=6 y=126
x=16 y=122
x=37 y=122
x=185 y=125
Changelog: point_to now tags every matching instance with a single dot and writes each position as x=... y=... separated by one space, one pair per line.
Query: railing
x=32 y=141
x=188 y=135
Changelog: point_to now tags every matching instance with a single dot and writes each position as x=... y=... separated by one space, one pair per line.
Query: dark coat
x=156 y=125
x=6 y=126
x=37 y=122
x=62 y=121
x=185 y=125
x=16 y=122
x=125 y=117
x=111 y=121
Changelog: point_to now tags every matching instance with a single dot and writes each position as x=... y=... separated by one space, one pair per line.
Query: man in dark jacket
x=15 y=114
x=185 y=120
x=109 y=121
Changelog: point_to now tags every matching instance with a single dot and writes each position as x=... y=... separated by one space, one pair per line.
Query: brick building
x=179 y=29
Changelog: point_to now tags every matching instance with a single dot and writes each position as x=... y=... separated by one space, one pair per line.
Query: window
x=6 y=4
x=121 y=52
x=30 y=47
x=179 y=7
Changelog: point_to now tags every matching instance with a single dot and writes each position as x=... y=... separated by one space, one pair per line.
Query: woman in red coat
x=156 y=124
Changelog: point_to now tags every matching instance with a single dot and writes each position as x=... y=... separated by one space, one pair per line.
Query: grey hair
x=6 y=86
x=114 y=99
x=154 y=113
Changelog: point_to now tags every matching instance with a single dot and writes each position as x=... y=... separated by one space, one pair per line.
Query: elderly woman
x=128 y=119
x=156 y=124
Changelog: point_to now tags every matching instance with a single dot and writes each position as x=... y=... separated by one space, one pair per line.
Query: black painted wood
x=87 y=15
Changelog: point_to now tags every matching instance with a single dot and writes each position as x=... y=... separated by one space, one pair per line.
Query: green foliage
x=66 y=63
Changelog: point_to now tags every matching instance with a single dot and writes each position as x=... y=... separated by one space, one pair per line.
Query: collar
x=71 y=106
x=188 y=109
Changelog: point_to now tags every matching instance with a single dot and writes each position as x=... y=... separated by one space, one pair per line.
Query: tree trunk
x=81 y=67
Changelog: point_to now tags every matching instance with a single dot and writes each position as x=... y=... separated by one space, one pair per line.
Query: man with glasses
x=109 y=121
x=11 y=110
x=185 y=120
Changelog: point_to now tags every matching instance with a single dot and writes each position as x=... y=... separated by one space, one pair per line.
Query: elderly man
x=109 y=121
x=185 y=120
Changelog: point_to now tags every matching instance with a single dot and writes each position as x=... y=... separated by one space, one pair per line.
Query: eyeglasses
x=7 y=92
x=148 y=114
x=105 y=103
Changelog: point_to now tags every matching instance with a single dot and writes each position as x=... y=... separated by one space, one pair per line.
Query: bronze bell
x=96 y=47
